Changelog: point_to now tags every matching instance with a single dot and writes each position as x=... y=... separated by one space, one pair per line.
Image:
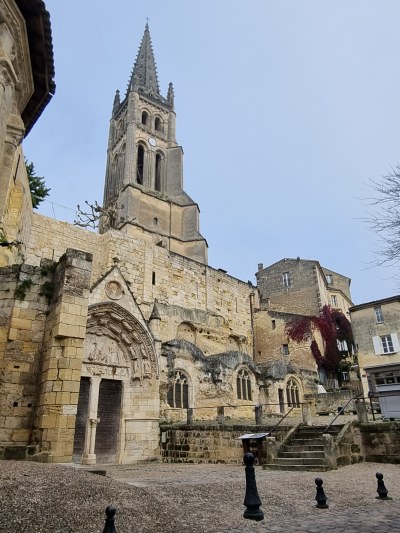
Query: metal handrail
x=283 y=418
x=341 y=411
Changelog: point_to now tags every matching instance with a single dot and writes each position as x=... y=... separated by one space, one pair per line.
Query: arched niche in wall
x=187 y=332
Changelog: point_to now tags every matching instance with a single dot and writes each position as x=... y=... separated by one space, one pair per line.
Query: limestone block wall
x=23 y=307
x=272 y=341
x=15 y=223
x=301 y=296
x=58 y=385
x=376 y=442
x=154 y=273
x=380 y=441
x=207 y=444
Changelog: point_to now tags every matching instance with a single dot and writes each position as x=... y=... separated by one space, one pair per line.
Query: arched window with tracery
x=178 y=391
x=243 y=385
x=292 y=393
x=140 y=165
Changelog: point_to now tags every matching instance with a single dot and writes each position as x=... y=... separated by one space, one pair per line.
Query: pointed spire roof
x=144 y=74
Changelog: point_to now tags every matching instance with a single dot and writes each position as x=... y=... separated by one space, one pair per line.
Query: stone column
x=330 y=451
x=307 y=414
x=131 y=148
x=89 y=457
x=271 y=449
x=60 y=375
x=362 y=415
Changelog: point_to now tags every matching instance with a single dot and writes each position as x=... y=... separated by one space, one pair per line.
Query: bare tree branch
x=386 y=220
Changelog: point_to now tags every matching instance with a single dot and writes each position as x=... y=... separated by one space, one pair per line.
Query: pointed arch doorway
x=119 y=379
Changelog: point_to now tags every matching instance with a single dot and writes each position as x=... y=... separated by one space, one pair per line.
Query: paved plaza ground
x=38 y=498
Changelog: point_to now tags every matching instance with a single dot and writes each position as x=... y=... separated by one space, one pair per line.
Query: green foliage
x=47 y=290
x=22 y=289
x=37 y=186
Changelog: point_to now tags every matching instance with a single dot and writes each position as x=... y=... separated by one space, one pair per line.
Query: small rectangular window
x=329 y=279
x=387 y=344
x=273 y=324
x=286 y=279
x=378 y=315
x=285 y=349
x=334 y=300
x=153 y=278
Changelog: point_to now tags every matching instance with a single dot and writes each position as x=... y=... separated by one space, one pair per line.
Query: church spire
x=144 y=74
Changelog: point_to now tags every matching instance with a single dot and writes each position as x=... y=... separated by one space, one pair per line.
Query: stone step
x=333 y=430
x=299 y=460
x=302 y=454
x=306 y=442
x=302 y=447
x=297 y=468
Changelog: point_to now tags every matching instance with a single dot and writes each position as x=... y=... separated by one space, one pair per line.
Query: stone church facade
x=105 y=335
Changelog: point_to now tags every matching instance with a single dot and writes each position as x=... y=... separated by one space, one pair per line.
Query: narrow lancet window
x=157 y=181
x=140 y=165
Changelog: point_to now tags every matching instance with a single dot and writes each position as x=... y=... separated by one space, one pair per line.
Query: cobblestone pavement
x=288 y=497
x=384 y=518
x=192 y=498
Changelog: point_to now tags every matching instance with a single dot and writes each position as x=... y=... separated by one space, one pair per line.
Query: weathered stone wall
x=208 y=444
x=329 y=402
x=22 y=325
x=217 y=305
x=269 y=328
x=302 y=296
x=373 y=442
x=339 y=282
x=60 y=371
x=276 y=365
x=380 y=441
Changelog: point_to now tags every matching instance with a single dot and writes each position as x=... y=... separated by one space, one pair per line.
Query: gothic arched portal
x=119 y=379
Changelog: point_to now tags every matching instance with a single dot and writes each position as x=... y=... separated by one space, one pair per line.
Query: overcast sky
x=285 y=110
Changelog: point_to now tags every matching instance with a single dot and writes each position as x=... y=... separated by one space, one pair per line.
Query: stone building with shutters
x=105 y=335
x=376 y=328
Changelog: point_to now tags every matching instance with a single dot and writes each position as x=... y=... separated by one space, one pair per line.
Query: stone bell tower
x=144 y=175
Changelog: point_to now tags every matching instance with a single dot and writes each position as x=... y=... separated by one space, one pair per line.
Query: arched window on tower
x=243 y=385
x=140 y=165
x=178 y=391
x=292 y=393
x=145 y=118
x=158 y=126
x=158 y=169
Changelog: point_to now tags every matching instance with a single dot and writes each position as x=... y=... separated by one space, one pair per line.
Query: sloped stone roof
x=38 y=27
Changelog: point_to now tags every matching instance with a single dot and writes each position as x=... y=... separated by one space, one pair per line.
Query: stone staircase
x=304 y=450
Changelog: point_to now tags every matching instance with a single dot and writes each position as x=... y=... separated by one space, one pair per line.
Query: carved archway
x=117 y=345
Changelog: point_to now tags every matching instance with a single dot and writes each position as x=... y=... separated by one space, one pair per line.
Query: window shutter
x=377 y=345
x=395 y=340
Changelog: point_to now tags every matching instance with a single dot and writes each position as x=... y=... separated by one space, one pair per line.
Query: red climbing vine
x=332 y=325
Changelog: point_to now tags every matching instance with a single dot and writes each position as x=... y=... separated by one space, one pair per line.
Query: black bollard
x=381 y=490
x=251 y=500
x=320 y=497
x=110 y=514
